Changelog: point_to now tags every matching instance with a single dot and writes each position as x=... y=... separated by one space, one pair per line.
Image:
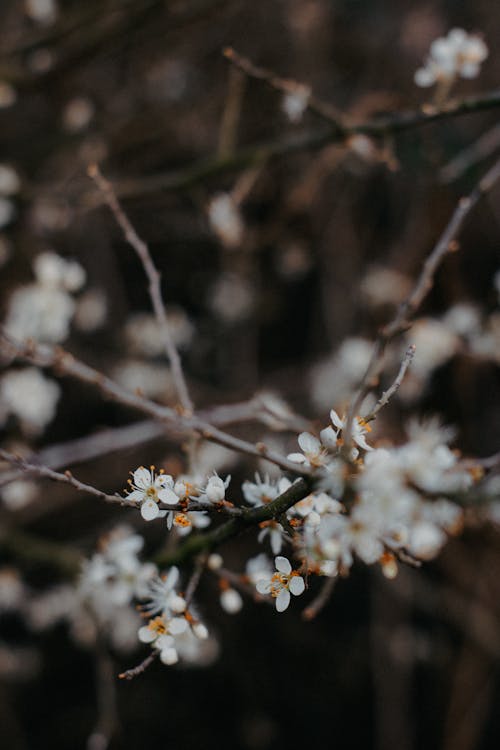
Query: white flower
x=282 y=583
x=225 y=220
x=161 y=597
x=295 y=102
x=231 y=601
x=313 y=453
x=359 y=430
x=457 y=54
x=215 y=489
x=30 y=396
x=161 y=632
x=150 y=490
x=274 y=531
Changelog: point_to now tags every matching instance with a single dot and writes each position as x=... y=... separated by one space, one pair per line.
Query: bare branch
x=55 y=476
x=286 y=86
x=322 y=599
x=129 y=674
x=153 y=276
x=389 y=393
x=406 y=311
x=64 y=363
x=315 y=138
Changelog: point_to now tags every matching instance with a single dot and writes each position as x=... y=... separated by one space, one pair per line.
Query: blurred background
x=277 y=273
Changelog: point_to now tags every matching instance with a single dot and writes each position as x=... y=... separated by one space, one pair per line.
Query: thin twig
x=55 y=476
x=129 y=674
x=64 y=363
x=389 y=393
x=154 y=279
x=286 y=86
x=321 y=600
x=406 y=311
x=316 y=138
x=478 y=151
x=195 y=578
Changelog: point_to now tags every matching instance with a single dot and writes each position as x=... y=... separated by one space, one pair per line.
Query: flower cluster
x=456 y=55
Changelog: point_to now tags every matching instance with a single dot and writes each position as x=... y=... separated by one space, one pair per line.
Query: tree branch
x=153 y=277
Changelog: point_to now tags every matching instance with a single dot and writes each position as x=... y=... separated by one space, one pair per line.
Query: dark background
x=411 y=663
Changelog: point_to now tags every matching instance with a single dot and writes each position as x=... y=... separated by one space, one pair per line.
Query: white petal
x=424 y=77
x=328 y=437
x=146 y=635
x=200 y=631
x=336 y=420
x=361 y=441
x=263 y=586
x=282 y=600
x=276 y=541
x=296 y=585
x=283 y=565
x=297 y=458
x=149 y=510
x=137 y=496
x=142 y=478
x=164 y=480
x=169 y=656
x=309 y=443
x=168 y=496
x=177 y=625
x=164 y=641
x=172 y=578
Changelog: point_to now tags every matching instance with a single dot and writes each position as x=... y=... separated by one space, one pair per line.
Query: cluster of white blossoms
x=154 y=493
x=456 y=55
x=44 y=309
x=172 y=629
x=30 y=397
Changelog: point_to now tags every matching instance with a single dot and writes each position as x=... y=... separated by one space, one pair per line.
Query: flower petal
x=282 y=600
x=137 y=496
x=263 y=586
x=142 y=478
x=149 y=510
x=283 y=565
x=177 y=625
x=169 y=656
x=168 y=496
x=146 y=634
x=309 y=443
x=296 y=585
x=336 y=420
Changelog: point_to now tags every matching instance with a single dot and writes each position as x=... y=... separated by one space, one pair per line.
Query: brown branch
x=153 y=277
x=389 y=393
x=406 y=311
x=64 y=363
x=55 y=476
x=129 y=674
x=321 y=600
x=286 y=86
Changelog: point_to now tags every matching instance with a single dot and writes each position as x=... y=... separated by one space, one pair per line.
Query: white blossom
x=149 y=490
x=282 y=583
x=457 y=55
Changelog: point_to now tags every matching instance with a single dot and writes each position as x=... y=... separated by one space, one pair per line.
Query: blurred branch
x=64 y=363
x=153 y=277
x=402 y=320
x=286 y=86
x=66 y=478
x=480 y=150
x=389 y=393
x=260 y=153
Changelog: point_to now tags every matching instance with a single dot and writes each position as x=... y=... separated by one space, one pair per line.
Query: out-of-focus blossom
x=456 y=55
